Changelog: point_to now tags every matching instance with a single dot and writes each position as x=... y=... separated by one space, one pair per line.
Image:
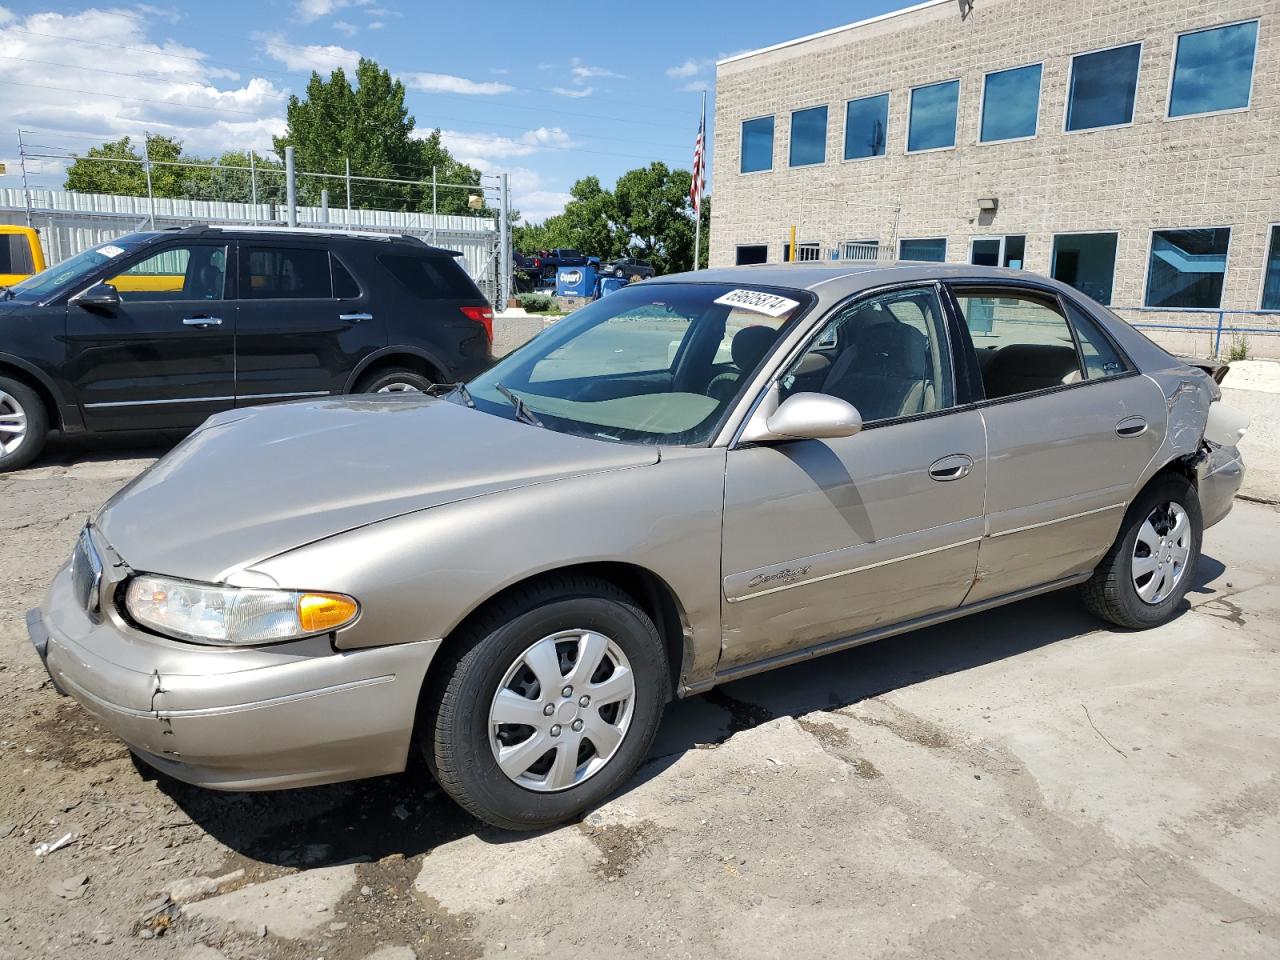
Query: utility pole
x=253 y=187
x=291 y=188
x=324 y=206
x=26 y=190
x=146 y=166
x=434 y=212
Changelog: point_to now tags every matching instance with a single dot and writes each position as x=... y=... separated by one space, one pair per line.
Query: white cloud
x=690 y=68
x=309 y=10
x=480 y=149
x=446 y=83
x=377 y=24
x=583 y=72
x=322 y=58
x=175 y=92
x=345 y=28
x=694 y=86
x=577 y=93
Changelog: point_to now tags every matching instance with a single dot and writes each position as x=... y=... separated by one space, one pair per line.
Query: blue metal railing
x=1217 y=328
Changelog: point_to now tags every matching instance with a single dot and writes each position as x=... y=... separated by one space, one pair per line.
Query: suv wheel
x=24 y=425
x=1148 y=570
x=547 y=705
x=395 y=381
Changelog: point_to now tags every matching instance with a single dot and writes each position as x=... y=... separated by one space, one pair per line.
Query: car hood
x=256 y=482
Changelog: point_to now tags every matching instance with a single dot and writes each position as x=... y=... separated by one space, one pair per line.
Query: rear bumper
x=256 y=719
x=1220 y=477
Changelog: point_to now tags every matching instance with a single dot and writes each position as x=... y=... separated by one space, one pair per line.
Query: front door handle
x=202 y=321
x=1131 y=427
x=953 y=467
x=355 y=317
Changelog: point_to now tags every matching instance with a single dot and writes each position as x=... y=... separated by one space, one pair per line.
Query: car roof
x=285 y=234
x=842 y=279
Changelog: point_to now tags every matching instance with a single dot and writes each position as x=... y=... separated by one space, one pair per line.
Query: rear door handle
x=202 y=321
x=355 y=317
x=953 y=467
x=1131 y=427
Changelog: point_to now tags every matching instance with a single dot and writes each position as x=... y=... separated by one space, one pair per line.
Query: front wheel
x=395 y=381
x=547 y=704
x=1148 y=570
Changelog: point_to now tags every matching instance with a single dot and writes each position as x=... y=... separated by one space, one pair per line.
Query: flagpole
x=697 y=212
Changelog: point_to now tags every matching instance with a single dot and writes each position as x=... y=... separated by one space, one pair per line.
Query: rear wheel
x=1147 y=571
x=399 y=380
x=24 y=424
x=547 y=704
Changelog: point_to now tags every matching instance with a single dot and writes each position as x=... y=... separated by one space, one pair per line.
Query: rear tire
x=24 y=424
x=493 y=659
x=397 y=380
x=1148 y=570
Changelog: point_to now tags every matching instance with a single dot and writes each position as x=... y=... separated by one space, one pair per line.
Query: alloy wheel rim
x=1161 y=552
x=13 y=423
x=562 y=710
x=398 y=386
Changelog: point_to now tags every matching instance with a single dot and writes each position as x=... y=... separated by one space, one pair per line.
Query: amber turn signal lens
x=319 y=612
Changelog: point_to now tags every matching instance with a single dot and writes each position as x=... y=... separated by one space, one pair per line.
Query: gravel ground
x=1020 y=783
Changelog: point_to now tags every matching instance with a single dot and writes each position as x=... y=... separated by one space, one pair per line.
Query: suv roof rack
x=310 y=231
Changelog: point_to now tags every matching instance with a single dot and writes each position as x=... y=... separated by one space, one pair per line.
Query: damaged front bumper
x=287 y=715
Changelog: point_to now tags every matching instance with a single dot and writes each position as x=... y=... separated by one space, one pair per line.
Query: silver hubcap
x=398 y=386
x=562 y=710
x=13 y=423
x=1161 y=552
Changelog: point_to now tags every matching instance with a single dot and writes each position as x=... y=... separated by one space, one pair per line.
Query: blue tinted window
x=1213 y=70
x=757 y=145
x=1011 y=103
x=933 y=249
x=866 y=124
x=1086 y=261
x=933 y=116
x=808 y=136
x=1103 y=86
x=1187 y=268
x=1271 y=281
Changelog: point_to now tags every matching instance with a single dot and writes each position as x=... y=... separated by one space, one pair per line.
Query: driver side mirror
x=99 y=295
x=802 y=416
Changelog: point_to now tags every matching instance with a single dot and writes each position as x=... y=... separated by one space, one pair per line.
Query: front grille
x=86 y=573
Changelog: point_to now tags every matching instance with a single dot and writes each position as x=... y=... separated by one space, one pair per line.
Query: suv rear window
x=431 y=278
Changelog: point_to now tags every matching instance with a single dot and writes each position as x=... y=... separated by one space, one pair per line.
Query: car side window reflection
x=1023 y=341
x=1101 y=359
x=886 y=355
x=196 y=272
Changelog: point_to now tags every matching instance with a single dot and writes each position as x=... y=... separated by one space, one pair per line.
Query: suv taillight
x=482 y=316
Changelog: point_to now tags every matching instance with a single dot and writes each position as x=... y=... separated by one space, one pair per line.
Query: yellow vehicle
x=20 y=254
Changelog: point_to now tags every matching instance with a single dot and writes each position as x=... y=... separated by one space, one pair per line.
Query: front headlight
x=233 y=616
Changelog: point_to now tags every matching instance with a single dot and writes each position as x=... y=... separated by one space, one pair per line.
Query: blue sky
x=584 y=89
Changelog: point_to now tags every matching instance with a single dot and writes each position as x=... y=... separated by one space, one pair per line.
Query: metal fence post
x=253 y=187
x=146 y=165
x=291 y=188
x=347 y=161
x=434 y=212
x=504 y=244
x=1217 y=336
x=324 y=205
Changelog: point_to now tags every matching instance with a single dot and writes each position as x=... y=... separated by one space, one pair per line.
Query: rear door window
x=1101 y=358
x=1022 y=339
x=344 y=285
x=287 y=273
x=431 y=278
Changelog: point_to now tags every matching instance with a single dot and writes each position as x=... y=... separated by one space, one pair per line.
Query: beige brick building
x=1150 y=127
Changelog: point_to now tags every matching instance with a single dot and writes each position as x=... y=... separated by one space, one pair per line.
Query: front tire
x=1146 y=573
x=24 y=424
x=395 y=381
x=546 y=704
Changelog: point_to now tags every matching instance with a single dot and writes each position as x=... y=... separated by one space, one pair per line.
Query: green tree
x=117 y=167
x=369 y=124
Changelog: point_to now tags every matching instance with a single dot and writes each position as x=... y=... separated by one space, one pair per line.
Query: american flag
x=699 y=171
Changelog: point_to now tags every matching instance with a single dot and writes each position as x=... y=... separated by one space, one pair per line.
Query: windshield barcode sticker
x=110 y=250
x=770 y=304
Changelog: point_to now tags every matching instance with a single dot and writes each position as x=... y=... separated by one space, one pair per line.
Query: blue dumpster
x=610 y=285
x=576 y=281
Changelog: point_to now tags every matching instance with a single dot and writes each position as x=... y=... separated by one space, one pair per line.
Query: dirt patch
x=622 y=844
x=827 y=734
x=905 y=726
x=73 y=739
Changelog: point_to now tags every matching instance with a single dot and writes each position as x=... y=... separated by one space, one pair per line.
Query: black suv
x=161 y=329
